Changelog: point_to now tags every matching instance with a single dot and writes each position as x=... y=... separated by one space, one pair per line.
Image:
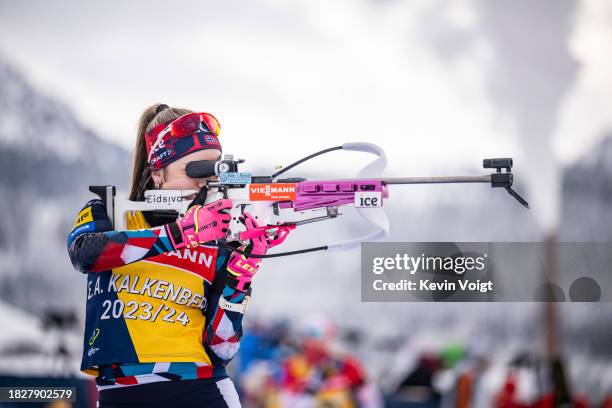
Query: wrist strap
x=174 y=233
x=234 y=307
x=233 y=282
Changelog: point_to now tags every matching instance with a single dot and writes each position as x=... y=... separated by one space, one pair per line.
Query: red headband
x=168 y=142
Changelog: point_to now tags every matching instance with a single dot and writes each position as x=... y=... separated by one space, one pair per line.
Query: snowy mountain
x=41 y=131
x=47 y=160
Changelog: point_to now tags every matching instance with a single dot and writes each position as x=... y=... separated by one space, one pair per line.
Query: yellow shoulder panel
x=136 y=221
x=84 y=216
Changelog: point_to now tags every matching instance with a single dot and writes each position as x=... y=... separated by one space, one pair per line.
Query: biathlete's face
x=174 y=176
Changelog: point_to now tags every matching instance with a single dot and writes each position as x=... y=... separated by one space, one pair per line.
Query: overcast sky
x=288 y=77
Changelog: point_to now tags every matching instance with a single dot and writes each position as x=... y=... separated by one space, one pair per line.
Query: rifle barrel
x=437 y=180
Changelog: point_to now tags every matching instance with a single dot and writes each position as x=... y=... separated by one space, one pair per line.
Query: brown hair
x=141 y=172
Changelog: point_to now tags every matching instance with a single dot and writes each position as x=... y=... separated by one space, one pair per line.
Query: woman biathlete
x=164 y=310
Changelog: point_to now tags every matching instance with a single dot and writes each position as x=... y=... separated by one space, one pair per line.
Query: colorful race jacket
x=150 y=303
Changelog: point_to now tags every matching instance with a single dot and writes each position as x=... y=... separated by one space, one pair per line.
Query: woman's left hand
x=242 y=268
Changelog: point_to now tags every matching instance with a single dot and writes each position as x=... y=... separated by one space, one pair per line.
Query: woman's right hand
x=204 y=223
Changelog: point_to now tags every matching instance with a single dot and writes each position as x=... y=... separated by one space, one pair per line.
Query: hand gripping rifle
x=272 y=199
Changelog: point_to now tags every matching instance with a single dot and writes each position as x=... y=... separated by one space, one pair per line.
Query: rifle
x=272 y=199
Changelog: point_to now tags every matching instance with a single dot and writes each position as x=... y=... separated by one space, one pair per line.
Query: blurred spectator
x=308 y=372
